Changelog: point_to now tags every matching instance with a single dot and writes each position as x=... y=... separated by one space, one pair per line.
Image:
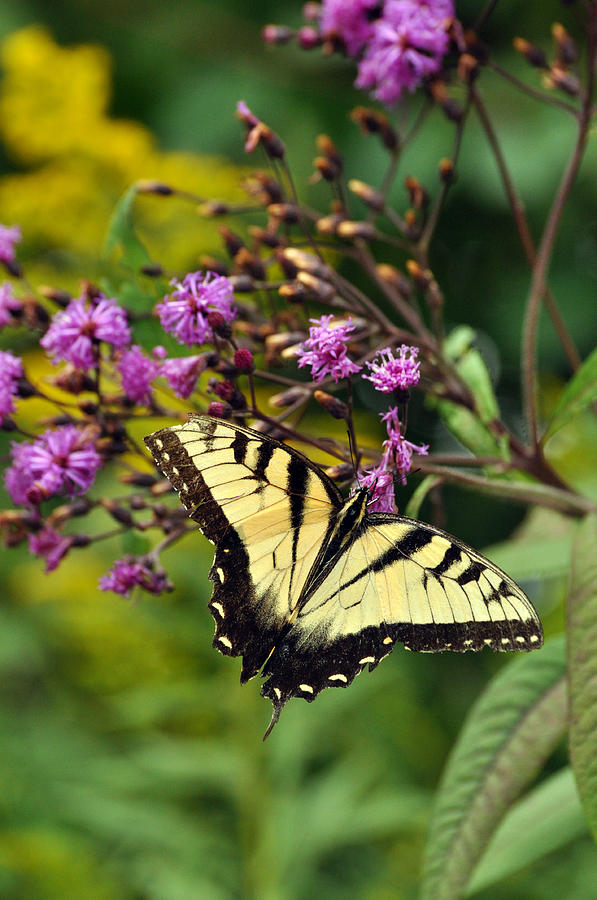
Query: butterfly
x=310 y=588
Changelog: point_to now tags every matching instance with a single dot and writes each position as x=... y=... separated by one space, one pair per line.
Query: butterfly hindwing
x=266 y=508
x=398 y=581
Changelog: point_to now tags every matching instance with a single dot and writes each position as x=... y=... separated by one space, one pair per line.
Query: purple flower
x=62 y=461
x=11 y=369
x=381 y=484
x=184 y=313
x=348 y=20
x=50 y=545
x=126 y=573
x=8 y=304
x=182 y=373
x=8 y=238
x=325 y=350
x=137 y=372
x=76 y=331
x=407 y=45
x=390 y=373
x=398 y=451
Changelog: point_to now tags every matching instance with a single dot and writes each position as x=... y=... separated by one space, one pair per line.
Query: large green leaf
x=529 y=559
x=579 y=393
x=507 y=737
x=582 y=666
x=548 y=818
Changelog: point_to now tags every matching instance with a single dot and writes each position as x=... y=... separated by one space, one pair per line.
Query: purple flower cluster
x=399 y=43
x=137 y=371
x=186 y=311
x=408 y=44
x=129 y=572
x=11 y=369
x=62 y=461
x=394 y=466
x=325 y=349
x=349 y=21
x=182 y=373
x=395 y=373
x=8 y=304
x=9 y=236
x=51 y=546
x=75 y=333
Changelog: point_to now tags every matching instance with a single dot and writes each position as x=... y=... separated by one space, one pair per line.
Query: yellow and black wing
x=267 y=509
x=397 y=581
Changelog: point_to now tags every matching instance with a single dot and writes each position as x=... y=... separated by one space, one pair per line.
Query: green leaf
x=473 y=371
x=548 y=818
x=582 y=666
x=579 y=393
x=526 y=559
x=121 y=234
x=466 y=426
x=509 y=734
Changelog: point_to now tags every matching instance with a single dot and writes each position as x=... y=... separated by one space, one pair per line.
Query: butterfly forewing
x=267 y=509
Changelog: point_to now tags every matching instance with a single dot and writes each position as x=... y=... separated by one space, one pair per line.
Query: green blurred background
x=131 y=760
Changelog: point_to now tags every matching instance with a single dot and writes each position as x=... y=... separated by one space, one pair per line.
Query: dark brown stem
x=538 y=281
x=524 y=232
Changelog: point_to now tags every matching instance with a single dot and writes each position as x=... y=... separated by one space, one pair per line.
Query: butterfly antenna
x=355 y=457
x=275 y=716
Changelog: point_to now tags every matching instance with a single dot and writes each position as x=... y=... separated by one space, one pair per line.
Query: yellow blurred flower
x=77 y=161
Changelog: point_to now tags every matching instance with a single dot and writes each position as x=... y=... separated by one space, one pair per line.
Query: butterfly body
x=309 y=588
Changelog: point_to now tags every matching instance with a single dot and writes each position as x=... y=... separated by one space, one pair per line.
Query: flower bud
x=293 y=292
x=534 y=55
x=326 y=168
x=566 y=48
x=289 y=397
x=333 y=405
x=243 y=360
x=447 y=172
x=219 y=410
x=306 y=262
x=213 y=265
x=149 y=186
x=468 y=68
x=242 y=284
x=213 y=208
x=329 y=224
x=421 y=277
x=119 y=513
x=316 y=286
x=233 y=242
x=372 y=122
x=249 y=263
x=307 y=38
x=276 y=34
x=562 y=80
x=264 y=236
x=395 y=278
x=275 y=343
x=340 y=472
x=374 y=199
x=418 y=195
x=152 y=270
x=139 y=479
x=284 y=212
x=62 y=298
x=218 y=324
x=351 y=230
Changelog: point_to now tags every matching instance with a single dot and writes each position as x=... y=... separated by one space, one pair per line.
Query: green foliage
x=508 y=735
x=582 y=666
